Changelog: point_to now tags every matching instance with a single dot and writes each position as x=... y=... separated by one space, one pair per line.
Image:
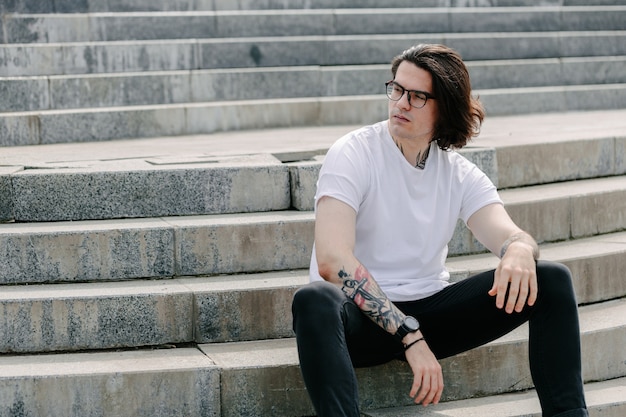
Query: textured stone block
x=19 y=129
x=86 y=251
x=226 y=244
x=490 y=19
x=144 y=383
x=485 y=159
x=620 y=155
x=601 y=211
x=255 y=84
x=116 y=123
x=597 y=97
x=597 y=265
x=504 y=102
x=514 y=74
x=80 y=194
x=592 y=19
x=24 y=94
x=355 y=110
x=225 y=116
x=48 y=28
x=303 y=177
x=366 y=79
x=6 y=193
x=504 y=45
x=535 y=164
x=119 y=90
x=576 y=44
x=593 y=70
x=243 y=53
x=533 y=209
x=165 y=25
x=280 y=23
x=248 y=307
x=94 y=316
x=36 y=59
x=355 y=21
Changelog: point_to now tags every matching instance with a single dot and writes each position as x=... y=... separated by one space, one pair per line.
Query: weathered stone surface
x=24 y=94
x=108 y=250
x=265 y=370
x=303 y=181
x=94 y=316
x=6 y=193
x=537 y=164
x=143 y=383
x=19 y=129
x=142 y=190
x=247 y=307
x=224 y=244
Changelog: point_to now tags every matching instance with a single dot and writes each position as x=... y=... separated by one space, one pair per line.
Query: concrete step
x=92 y=6
x=604 y=399
x=211 y=309
x=112 y=123
x=169 y=382
x=97 y=27
x=250 y=52
x=197 y=86
x=263 y=378
x=249 y=242
x=141 y=383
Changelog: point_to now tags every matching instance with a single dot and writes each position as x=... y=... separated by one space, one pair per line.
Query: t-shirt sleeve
x=478 y=192
x=344 y=174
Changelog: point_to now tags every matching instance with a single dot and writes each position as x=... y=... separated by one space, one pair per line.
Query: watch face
x=411 y=323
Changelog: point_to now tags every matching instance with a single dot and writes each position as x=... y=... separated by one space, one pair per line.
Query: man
x=387 y=202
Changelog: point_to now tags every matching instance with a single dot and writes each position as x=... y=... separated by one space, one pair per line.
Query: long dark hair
x=460 y=114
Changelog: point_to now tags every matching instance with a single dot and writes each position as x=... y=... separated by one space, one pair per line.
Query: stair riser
x=466 y=375
x=34 y=128
x=92 y=58
x=136 y=318
x=66 y=92
x=93 y=6
x=538 y=164
x=249 y=307
x=111 y=385
x=115 y=193
x=82 y=28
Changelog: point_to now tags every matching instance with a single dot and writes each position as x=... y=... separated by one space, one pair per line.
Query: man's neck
x=416 y=153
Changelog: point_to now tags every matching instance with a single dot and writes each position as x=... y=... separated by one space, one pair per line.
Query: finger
x=514 y=288
x=523 y=293
x=440 y=387
x=533 y=289
x=496 y=276
x=417 y=383
x=434 y=388
x=424 y=390
x=501 y=288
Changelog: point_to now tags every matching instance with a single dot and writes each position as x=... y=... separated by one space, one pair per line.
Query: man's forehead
x=412 y=77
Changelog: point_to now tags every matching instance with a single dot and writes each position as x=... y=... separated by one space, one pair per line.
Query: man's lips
x=400 y=117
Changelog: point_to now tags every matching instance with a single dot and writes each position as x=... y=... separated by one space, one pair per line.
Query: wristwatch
x=410 y=325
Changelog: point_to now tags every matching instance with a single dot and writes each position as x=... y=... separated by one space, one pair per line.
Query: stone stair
x=156 y=187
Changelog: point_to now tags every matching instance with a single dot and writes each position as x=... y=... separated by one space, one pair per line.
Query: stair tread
x=497 y=131
x=611 y=393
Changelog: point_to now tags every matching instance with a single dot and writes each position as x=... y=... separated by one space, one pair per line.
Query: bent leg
x=463 y=316
x=330 y=330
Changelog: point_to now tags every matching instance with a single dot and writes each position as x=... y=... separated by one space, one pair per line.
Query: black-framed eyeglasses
x=416 y=98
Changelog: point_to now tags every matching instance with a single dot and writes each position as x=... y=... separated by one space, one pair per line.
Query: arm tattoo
x=368 y=296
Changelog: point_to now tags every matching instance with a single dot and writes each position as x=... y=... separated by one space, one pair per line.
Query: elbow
x=328 y=267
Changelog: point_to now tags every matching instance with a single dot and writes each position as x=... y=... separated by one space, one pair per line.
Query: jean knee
x=315 y=300
x=555 y=279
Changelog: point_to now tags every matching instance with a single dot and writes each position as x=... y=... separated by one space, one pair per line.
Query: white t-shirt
x=405 y=216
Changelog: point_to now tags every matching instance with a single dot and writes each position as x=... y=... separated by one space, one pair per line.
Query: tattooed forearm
x=366 y=294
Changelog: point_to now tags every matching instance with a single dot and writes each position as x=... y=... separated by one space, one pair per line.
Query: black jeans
x=333 y=337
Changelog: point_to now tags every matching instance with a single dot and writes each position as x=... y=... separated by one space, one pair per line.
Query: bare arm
x=335 y=233
x=334 y=244
x=518 y=251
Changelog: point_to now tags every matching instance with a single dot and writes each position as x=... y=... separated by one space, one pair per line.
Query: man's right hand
x=427 y=375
